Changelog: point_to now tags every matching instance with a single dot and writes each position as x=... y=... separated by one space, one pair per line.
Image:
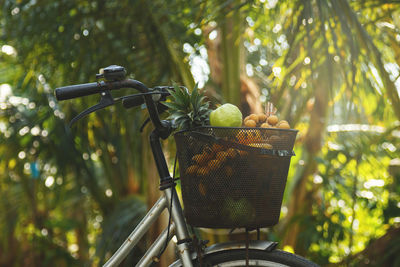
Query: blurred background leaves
x=330 y=67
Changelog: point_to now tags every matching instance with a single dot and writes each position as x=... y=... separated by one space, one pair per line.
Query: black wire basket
x=233 y=177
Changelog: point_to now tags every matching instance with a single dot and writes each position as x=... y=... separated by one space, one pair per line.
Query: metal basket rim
x=236 y=128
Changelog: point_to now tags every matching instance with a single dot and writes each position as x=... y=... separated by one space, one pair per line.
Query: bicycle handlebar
x=78 y=90
x=74 y=91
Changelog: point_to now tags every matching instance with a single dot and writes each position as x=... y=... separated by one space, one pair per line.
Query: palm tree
x=317 y=61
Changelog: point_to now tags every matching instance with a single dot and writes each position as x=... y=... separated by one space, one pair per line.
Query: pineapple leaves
x=188 y=110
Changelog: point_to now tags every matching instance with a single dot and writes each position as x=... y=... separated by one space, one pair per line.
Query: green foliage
x=47 y=169
x=60 y=188
x=117 y=227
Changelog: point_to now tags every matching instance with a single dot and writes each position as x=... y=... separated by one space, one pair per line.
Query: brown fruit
x=191 y=170
x=284 y=125
x=254 y=117
x=247 y=118
x=265 y=125
x=232 y=152
x=250 y=123
x=202 y=189
x=216 y=148
x=242 y=153
x=245 y=137
x=254 y=136
x=214 y=164
x=203 y=171
x=221 y=156
x=262 y=117
x=272 y=120
x=207 y=150
x=200 y=159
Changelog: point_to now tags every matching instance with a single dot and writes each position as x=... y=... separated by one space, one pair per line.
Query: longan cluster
x=264 y=121
x=212 y=159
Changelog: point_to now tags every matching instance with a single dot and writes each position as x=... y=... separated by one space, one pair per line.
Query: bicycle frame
x=178 y=227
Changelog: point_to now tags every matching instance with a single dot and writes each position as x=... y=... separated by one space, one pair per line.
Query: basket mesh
x=227 y=178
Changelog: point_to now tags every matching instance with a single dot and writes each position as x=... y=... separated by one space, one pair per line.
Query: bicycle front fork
x=167 y=185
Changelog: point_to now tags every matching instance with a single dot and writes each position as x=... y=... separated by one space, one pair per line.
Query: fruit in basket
x=232 y=153
x=250 y=123
x=262 y=117
x=227 y=115
x=191 y=170
x=247 y=137
x=216 y=148
x=238 y=211
x=188 y=110
x=267 y=120
x=272 y=120
x=222 y=156
x=214 y=164
x=283 y=125
x=200 y=159
x=203 y=171
x=202 y=189
x=242 y=153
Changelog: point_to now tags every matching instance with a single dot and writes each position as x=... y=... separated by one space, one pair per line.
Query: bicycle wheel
x=236 y=258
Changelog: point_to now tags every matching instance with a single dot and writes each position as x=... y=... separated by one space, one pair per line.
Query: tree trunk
x=302 y=196
x=222 y=76
x=231 y=45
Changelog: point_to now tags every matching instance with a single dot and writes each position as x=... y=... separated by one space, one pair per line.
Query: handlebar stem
x=163 y=128
x=159 y=157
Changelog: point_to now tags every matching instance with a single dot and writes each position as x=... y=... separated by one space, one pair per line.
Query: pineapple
x=188 y=110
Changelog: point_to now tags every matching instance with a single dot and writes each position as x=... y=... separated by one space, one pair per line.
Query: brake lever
x=105 y=101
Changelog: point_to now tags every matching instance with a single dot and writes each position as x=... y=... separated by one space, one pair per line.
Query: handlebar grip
x=73 y=91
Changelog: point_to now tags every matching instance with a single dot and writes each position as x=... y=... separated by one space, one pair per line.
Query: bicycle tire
x=236 y=258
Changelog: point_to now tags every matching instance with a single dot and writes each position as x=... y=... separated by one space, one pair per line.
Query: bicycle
x=191 y=251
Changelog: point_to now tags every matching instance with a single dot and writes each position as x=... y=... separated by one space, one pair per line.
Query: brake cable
x=107 y=100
